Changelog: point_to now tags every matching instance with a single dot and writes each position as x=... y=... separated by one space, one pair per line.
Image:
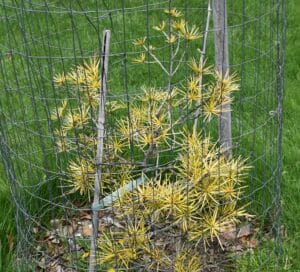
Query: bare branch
x=156 y=60
x=179 y=63
x=100 y=145
x=202 y=60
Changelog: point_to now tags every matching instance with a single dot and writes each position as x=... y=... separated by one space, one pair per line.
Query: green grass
x=291 y=139
x=291 y=136
x=291 y=164
x=7 y=228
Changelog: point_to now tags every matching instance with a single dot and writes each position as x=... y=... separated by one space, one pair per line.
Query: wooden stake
x=99 y=152
x=222 y=66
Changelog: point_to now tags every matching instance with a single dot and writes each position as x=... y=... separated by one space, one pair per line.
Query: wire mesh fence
x=143 y=135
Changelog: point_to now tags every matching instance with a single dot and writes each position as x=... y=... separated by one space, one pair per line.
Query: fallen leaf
x=85 y=255
x=244 y=231
x=229 y=233
x=10 y=240
x=236 y=248
x=107 y=220
x=55 y=267
x=65 y=231
x=73 y=245
x=79 y=233
x=248 y=243
x=53 y=239
x=252 y=243
x=85 y=216
x=35 y=230
x=42 y=263
x=101 y=228
x=87 y=230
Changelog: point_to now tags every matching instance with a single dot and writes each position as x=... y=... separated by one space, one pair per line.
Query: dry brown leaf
x=101 y=228
x=53 y=239
x=35 y=230
x=87 y=230
x=236 y=248
x=73 y=245
x=10 y=241
x=229 y=233
x=108 y=221
x=85 y=216
x=54 y=266
x=42 y=263
x=65 y=231
x=248 y=243
x=252 y=243
x=244 y=231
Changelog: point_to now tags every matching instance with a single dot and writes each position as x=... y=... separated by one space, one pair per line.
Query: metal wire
x=41 y=39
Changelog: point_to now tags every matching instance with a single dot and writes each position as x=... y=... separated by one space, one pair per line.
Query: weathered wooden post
x=222 y=66
x=99 y=152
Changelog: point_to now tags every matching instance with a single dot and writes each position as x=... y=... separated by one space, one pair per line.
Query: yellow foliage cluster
x=196 y=203
x=133 y=248
x=180 y=31
x=76 y=131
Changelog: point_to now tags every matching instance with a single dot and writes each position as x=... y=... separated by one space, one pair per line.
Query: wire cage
x=143 y=135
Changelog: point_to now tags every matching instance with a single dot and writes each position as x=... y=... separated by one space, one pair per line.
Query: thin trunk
x=99 y=152
x=201 y=64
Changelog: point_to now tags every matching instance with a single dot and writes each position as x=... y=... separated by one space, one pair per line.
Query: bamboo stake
x=99 y=152
x=222 y=66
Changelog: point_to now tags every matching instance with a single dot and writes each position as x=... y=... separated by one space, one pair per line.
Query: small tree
x=183 y=203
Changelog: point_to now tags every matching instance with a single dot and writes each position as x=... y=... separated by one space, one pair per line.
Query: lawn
x=291 y=154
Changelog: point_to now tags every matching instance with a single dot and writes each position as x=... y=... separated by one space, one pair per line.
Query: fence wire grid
x=143 y=135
